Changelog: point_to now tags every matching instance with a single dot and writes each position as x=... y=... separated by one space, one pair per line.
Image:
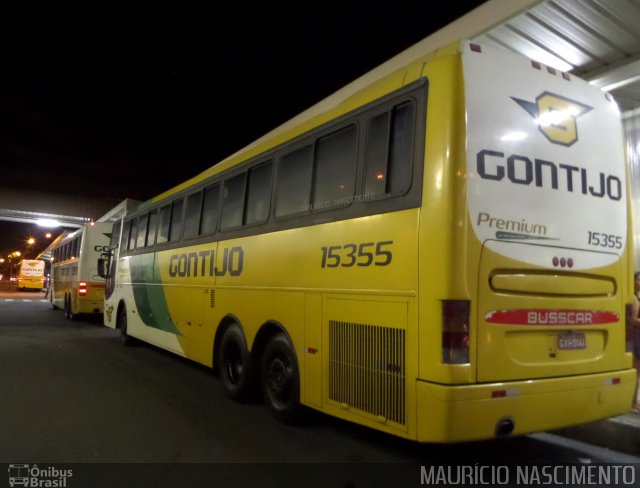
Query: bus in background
x=31 y=274
x=76 y=287
x=440 y=253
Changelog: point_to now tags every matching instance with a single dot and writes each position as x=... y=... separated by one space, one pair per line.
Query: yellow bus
x=31 y=274
x=75 y=286
x=442 y=254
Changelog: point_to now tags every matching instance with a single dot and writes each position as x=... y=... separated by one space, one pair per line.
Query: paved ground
x=71 y=393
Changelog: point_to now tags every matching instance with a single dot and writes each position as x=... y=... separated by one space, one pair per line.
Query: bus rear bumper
x=473 y=412
x=90 y=306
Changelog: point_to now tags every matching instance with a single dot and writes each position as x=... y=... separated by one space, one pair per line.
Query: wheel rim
x=233 y=364
x=279 y=379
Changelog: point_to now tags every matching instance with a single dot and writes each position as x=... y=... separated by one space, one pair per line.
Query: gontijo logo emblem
x=556 y=116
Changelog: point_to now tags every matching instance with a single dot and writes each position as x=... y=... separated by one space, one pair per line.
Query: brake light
x=82 y=288
x=455 y=331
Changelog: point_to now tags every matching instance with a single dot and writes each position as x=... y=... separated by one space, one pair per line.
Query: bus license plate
x=572 y=340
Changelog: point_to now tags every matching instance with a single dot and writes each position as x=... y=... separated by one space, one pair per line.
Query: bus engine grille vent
x=212 y=298
x=367 y=369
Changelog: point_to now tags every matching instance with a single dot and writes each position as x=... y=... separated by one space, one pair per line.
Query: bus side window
x=389 y=152
x=192 y=215
x=335 y=168
x=163 y=227
x=133 y=234
x=294 y=182
x=151 y=230
x=115 y=231
x=74 y=248
x=125 y=234
x=176 y=220
x=143 y=222
x=210 y=210
x=258 y=194
x=233 y=201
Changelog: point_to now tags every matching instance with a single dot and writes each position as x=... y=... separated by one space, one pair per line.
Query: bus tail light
x=82 y=288
x=455 y=331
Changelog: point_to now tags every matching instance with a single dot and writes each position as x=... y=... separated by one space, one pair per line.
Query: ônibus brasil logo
x=35 y=477
x=556 y=116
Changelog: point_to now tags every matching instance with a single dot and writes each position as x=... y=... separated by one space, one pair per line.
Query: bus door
x=110 y=261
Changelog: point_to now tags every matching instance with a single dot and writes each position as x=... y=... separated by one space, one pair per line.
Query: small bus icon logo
x=18 y=475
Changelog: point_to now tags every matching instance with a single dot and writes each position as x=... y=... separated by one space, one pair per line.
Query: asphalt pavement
x=72 y=393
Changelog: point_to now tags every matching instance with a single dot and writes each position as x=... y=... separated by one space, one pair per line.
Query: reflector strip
x=505 y=393
x=551 y=317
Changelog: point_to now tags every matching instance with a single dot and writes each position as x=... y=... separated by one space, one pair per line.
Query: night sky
x=139 y=116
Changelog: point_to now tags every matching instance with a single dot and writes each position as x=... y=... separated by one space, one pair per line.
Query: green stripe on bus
x=150 y=299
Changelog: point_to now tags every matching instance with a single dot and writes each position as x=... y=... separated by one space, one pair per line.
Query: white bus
x=76 y=287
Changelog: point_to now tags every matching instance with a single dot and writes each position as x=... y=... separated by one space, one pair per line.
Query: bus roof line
x=483 y=18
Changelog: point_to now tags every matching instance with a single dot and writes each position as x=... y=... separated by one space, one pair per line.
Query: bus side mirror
x=102 y=268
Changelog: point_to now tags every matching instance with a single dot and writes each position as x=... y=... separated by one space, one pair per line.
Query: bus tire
x=280 y=380
x=121 y=325
x=68 y=312
x=235 y=365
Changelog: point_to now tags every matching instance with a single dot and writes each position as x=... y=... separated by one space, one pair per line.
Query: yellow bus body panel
x=338 y=317
x=467 y=413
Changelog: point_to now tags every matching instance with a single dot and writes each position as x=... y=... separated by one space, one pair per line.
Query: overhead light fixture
x=48 y=223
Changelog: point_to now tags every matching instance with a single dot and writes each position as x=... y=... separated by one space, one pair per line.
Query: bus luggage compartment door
x=534 y=322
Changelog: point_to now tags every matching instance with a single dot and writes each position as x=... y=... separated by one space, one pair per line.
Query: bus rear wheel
x=280 y=380
x=121 y=325
x=235 y=365
x=68 y=312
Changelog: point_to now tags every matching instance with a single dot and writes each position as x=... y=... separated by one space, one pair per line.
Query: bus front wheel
x=281 y=380
x=235 y=365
